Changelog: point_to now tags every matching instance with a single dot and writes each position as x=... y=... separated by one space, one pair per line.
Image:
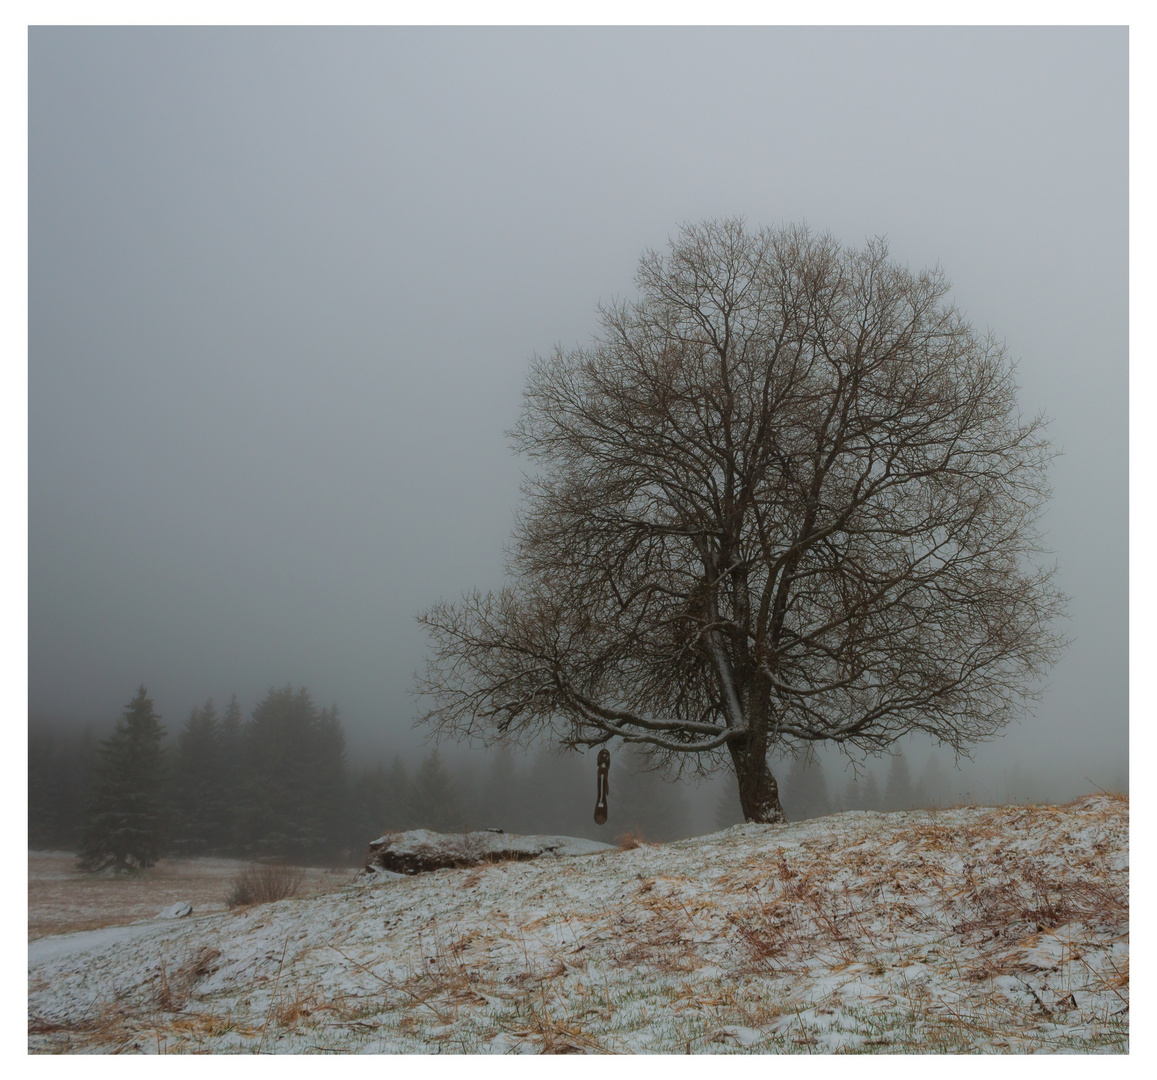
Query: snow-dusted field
x=63 y=898
x=957 y=930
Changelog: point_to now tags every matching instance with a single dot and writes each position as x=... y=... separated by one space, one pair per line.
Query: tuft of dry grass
x=304 y=1006
x=263 y=883
x=631 y=839
x=171 y=992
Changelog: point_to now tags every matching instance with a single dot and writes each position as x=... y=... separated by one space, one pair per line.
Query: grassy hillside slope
x=996 y=929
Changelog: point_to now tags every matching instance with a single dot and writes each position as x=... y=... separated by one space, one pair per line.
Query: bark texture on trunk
x=758 y=791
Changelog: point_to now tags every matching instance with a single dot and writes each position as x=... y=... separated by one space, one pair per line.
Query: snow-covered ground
x=995 y=929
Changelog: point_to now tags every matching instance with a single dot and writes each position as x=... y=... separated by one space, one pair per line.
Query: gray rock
x=420 y=850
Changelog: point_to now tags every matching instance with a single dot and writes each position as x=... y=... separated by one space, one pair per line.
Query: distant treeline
x=806 y=792
x=279 y=785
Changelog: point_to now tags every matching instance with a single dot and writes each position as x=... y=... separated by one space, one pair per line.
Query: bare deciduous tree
x=786 y=497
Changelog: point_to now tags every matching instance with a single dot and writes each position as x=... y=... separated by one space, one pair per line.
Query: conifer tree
x=397 y=809
x=871 y=791
x=502 y=792
x=232 y=745
x=558 y=796
x=645 y=804
x=367 y=802
x=328 y=779
x=898 y=794
x=127 y=815
x=935 y=783
x=42 y=774
x=434 y=800
x=853 y=794
x=920 y=796
x=197 y=788
x=469 y=791
x=376 y=804
x=805 y=791
x=540 y=793
x=60 y=769
x=295 y=762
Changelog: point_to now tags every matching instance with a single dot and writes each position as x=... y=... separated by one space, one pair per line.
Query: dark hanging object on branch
x=604 y=764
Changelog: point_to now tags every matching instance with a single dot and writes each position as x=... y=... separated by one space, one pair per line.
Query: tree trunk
x=758 y=791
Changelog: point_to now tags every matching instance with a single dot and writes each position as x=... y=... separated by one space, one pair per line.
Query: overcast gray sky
x=284 y=285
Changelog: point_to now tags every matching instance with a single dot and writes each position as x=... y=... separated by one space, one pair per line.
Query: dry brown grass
x=552 y=1033
x=1025 y=898
x=159 y=1014
x=994 y=910
x=62 y=899
x=171 y=992
x=1008 y=893
x=264 y=883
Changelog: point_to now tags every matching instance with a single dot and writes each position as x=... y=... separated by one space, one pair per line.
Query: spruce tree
x=540 y=791
x=43 y=788
x=853 y=794
x=197 y=793
x=805 y=792
x=61 y=763
x=643 y=804
x=434 y=799
x=468 y=788
x=294 y=778
x=396 y=811
x=328 y=781
x=367 y=799
x=127 y=815
x=558 y=795
x=502 y=793
x=231 y=780
x=898 y=794
x=935 y=783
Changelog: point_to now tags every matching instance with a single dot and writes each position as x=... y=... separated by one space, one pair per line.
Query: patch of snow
x=914 y=931
x=49 y=948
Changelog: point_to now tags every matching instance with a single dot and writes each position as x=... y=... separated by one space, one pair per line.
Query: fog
x=284 y=286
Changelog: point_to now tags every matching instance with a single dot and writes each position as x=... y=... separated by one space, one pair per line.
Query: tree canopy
x=785 y=497
x=294 y=777
x=128 y=814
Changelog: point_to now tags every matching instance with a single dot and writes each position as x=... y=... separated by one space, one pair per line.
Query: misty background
x=284 y=285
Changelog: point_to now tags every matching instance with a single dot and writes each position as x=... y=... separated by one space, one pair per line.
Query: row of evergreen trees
x=278 y=786
x=274 y=786
x=544 y=793
x=61 y=766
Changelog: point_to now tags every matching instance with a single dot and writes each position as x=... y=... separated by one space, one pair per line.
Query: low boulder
x=179 y=910
x=420 y=850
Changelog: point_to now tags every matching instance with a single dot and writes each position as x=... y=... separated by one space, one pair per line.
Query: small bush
x=262 y=883
x=628 y=841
